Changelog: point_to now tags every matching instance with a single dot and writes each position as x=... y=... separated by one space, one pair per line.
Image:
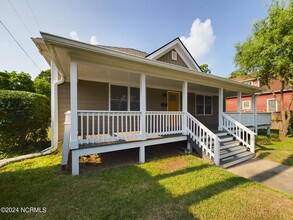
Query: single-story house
x=111 y=98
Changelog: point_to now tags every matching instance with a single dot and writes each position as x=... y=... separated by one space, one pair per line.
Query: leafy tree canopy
x=42 y=83
x=16 y=81
x=269 y=50
x=205 y=68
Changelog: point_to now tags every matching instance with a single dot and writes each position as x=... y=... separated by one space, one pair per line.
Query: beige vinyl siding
x=91 y=96
x=156 y=100
x=168 y=59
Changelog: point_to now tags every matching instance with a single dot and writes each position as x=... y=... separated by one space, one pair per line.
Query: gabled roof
x=180 y=49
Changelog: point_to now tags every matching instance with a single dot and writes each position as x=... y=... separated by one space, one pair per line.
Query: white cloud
x=94 y=40
x=73 y=35
x=200 y=39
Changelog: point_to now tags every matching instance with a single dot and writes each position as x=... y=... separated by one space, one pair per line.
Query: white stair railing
x=164 y=123
x=239 y=131
x=205 y=138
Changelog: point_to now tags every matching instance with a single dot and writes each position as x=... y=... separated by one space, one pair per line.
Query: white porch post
x=239 y=96
x=220 y=99
x=73 y=105
x=184 y=106
x=254 y=110
x=142 y=106
x=54 y=104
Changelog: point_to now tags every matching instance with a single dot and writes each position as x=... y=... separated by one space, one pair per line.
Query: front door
x=173 y=101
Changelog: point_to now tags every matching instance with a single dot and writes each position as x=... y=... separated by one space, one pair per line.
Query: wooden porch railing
x=239 y=131
x=204 y=137
x=247 y=119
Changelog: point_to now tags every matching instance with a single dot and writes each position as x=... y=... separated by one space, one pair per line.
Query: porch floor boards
x=128 y=140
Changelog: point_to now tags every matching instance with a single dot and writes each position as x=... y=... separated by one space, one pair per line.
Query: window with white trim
x=174 y=55
x=272 y=105
x=204 y=105
x=248 y=83
x=124 y=98
x=246 y=105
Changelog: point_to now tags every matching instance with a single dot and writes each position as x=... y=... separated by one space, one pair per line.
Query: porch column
x=142 y=106
x=239 y=96
x=184 y=106
x=254 y=110
x=54 y=104
x=73 y=105
x=220 y=100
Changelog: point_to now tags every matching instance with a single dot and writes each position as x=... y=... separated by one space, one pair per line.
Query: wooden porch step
x=228 y=152
x=236 y=159
x=228 y=144
x=226 y=138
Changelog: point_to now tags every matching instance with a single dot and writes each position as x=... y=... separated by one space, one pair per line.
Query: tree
x=42 y=83
x=16 y=81
x=4 y=81
x=205 y=68
x=269 y=53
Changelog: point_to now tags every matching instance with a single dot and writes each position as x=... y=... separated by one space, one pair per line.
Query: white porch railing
x=105 y=126
x=204 y=137
x=239 y=131
x=164 y=123
x=247 y=119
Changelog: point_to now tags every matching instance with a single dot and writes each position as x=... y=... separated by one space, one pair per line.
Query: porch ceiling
x=106 y=64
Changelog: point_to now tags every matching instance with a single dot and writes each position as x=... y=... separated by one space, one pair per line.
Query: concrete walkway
x=272 y=174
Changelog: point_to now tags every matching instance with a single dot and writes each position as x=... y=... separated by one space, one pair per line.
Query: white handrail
x=164 y=123
x=204 y=137
x=239 y=131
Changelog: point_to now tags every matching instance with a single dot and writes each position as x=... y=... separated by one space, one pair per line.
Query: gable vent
x=174 y=55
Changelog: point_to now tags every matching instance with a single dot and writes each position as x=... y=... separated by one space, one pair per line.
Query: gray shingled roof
x=127 y=50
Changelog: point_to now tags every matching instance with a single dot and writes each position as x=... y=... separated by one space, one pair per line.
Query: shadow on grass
x=128 y=192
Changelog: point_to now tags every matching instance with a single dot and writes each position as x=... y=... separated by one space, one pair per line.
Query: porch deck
x=107 y=131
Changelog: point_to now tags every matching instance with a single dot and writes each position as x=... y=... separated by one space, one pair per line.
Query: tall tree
x=205 y=68
x=42 y=83
x=268 y=51
x=16 y=81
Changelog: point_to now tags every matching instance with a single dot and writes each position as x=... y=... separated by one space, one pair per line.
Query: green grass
x=278 y=151
x=178 y=187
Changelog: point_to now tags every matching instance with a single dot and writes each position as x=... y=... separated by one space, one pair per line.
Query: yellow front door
x=173 y=101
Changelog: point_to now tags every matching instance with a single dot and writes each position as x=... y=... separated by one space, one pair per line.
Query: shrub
x=263 y=140
x=24 y=118
x=274 y=137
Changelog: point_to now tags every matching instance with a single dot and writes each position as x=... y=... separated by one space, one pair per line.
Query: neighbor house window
x=124 y=98
x=248 y=82
x=272 y=105
x=246 y=105
x=204 y=105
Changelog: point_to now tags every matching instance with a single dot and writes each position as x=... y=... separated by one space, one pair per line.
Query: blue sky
x=141 y=24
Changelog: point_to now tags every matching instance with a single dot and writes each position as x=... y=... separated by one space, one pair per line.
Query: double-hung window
x=204 y=105
x=272 y=105
x=124 y=98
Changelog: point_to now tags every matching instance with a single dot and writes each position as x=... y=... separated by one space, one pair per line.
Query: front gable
x=175 y=53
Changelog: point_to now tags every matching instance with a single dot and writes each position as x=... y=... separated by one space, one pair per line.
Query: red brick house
x=265 y=100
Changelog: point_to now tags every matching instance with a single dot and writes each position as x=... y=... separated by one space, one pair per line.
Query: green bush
x=274 y=137
x=24 y=119
x=263 y=140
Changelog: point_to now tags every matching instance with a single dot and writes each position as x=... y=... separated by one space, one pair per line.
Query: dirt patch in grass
x=129 y=157
x=170 y=166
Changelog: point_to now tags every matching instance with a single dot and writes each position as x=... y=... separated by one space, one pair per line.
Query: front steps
x=231 y=152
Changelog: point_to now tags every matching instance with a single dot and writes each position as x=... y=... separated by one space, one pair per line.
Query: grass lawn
x=176 y=187
x=278 y=151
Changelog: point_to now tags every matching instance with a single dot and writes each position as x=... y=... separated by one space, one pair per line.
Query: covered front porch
x=118 y=101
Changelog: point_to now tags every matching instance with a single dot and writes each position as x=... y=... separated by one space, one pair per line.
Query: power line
x=20 y=46
x=33 y=14
x=20 y=18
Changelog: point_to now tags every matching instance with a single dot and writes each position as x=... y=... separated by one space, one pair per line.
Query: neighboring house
x=265 y=99
x=121 y=98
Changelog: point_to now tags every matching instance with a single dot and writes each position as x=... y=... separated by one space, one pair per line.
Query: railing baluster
x=81 y=128
x=93 y=128
x=87 y=127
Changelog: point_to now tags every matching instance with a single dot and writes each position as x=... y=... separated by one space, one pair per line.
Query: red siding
x=261 y=100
